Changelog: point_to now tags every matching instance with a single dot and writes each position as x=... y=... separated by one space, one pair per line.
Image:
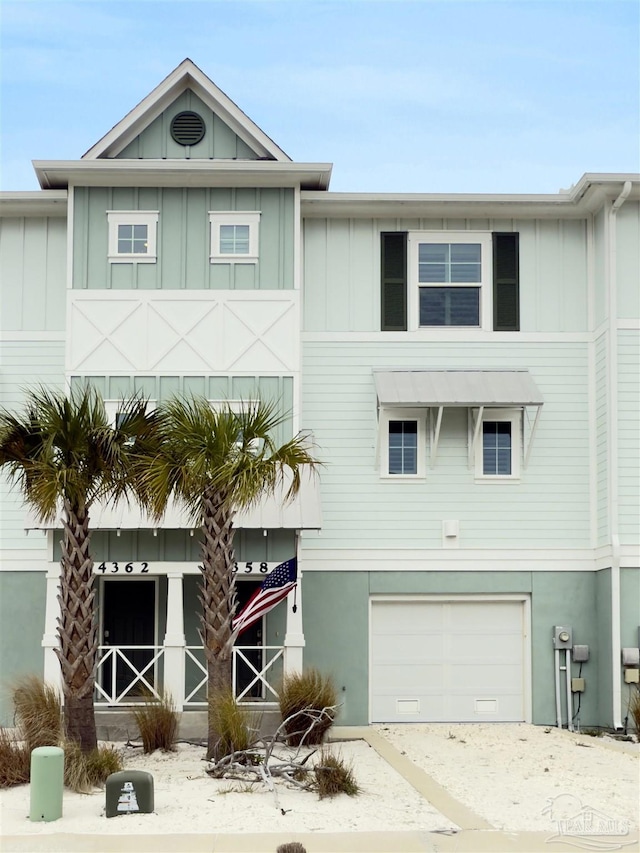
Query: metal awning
x=302 y=513
x=473 y=389
x=457 y=388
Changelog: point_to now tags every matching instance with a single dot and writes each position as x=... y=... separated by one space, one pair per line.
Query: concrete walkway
x=476 y=835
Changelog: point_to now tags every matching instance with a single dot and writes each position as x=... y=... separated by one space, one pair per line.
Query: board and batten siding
x=183 y=245
x=342 y=270
x=629 y=436
x=218 y=143
x=549 y=507
x=33 y=269
x=628 y=261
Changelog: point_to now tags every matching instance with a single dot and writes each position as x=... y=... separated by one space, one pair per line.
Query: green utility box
x=47 y=780
x=129 y=792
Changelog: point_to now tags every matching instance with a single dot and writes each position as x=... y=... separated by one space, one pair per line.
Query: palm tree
x=216 y=463
x=64 y=455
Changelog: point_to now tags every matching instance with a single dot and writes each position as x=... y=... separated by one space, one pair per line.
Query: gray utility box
x=129 y=792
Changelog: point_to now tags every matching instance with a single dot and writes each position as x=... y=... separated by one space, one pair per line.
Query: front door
x=251 y=637
x=128 y=619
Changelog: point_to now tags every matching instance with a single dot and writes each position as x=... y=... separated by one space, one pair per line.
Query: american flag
x=277 y=585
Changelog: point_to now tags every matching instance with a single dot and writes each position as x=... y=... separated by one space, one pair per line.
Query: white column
x=52 y=672
x=294 y=636
x=174 y=640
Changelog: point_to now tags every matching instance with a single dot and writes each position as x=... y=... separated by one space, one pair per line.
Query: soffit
x=457 y=388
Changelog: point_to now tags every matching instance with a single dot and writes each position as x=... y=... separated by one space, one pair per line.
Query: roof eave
x=59 y=174
x=34 y=203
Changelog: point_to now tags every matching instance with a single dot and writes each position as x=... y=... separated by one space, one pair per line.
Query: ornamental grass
x=308 y=706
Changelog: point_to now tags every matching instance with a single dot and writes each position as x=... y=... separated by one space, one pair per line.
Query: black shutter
x=394 y=281
x=506 y=283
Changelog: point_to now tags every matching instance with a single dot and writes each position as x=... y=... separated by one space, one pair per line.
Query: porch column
x=294 y=637
x=174 y=641
x=52 y=672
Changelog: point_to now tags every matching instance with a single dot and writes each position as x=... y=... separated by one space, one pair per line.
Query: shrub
x=15 y=761
x=38 y=712
x=333 y=776
x=236 y=725
x=292 y=847
x=101 y=763
x=312 y=697
x=157 y=721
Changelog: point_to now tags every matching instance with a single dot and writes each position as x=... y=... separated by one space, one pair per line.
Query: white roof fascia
x=186 y=76
x=36 y=203
x=180 y=173
x=456 y=388
x=566 y=203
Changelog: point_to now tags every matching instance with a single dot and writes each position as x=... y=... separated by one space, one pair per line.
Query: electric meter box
x=562 y=637
x=129 y=792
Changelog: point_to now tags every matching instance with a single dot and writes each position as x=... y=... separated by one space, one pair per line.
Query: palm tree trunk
x=77 y=629
x=218 y=599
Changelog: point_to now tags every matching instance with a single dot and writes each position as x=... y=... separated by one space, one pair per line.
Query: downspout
x=613 y=456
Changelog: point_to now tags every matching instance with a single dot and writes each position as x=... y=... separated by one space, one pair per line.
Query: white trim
x=483 y=238
x=19 y=337
x=448 y=334
x=629 y=325
x=149 y=218
x=512 y=416
x=524 y=598
x=388 y=414
x=218 y=218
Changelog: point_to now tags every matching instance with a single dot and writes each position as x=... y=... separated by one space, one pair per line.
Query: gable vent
x=187 y=128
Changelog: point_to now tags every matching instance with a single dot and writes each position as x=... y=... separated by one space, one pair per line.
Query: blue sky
x=422 y=96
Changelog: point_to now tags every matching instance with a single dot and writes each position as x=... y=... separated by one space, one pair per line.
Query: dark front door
x=128 y=620
x=251 y=637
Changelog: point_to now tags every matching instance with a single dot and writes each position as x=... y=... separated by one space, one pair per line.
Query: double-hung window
x=235 y=236
x=498 y=450
x=132 y=236
x=451 y=274
x=403 y=437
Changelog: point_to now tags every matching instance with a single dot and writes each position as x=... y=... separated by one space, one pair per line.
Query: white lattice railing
x=115 y=665
x=120 y=681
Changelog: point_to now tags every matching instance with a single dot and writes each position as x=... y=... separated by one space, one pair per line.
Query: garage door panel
x=407 y=647
x=447 y=661
x=395 y=679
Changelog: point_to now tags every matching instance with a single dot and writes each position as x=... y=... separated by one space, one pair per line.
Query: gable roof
x=186 y=76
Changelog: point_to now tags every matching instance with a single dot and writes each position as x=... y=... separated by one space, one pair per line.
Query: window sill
x=234 y=259
x=499 y=480
x=132 y=259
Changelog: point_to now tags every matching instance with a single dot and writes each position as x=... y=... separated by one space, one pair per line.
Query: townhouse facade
x=468 y=366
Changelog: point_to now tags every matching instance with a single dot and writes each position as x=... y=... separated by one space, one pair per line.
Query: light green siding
x=277 y=389
x=629 y=436
x=219 y=141
x=25 y=364
x=602 y=439
x=601 y=310
x=33 y=272
x=183 y=249
x=549 y=507
x=22 y=602
x=628 y=261
x=342 y=271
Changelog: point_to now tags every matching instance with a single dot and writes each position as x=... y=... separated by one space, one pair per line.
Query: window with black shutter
x=506 y=284
x=394 y=281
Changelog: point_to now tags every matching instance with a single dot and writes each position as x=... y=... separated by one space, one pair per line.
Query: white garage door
x=447 y=661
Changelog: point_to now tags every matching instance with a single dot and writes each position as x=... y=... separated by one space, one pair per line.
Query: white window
x=132 y=236
x=115 y=414
x=234 y=236
x=450 y=276
x=498 y=444
x=402 y=442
